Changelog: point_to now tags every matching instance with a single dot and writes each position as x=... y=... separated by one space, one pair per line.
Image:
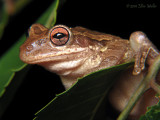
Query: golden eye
x=59 y=36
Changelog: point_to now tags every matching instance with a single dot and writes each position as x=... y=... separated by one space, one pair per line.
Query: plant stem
x=152 y=72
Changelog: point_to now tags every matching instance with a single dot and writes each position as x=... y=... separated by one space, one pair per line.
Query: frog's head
x=57 y=48
x=44 y=45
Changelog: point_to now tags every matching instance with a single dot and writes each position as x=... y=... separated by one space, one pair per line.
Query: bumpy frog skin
x=75 y=52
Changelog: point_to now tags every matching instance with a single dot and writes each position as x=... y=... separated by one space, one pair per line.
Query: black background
x=119 y=18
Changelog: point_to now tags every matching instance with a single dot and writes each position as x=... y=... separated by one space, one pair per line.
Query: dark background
x=119 y=18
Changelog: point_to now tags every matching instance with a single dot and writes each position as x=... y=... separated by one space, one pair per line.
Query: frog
x=73 y=52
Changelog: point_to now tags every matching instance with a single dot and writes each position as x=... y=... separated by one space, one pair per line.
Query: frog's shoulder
x=93 y=34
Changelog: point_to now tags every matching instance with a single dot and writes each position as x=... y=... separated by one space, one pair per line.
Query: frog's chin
x=64 y=67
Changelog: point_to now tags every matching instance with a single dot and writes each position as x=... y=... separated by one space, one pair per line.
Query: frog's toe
x=143 y=58
x=136 y=71
x=140 y=59
x=143 y=62
x=137 y=64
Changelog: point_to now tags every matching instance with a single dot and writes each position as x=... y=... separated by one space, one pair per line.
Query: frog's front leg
x=143 y=49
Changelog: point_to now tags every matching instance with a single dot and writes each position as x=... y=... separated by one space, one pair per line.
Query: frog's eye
x=59 y=36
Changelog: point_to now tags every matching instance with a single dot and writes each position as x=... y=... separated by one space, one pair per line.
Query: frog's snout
x=25 y=51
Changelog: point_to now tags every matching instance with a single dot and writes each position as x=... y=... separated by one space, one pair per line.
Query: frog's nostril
x=29 y=47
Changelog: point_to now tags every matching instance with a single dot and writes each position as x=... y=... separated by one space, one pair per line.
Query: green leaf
x=10 y=61
x=153 y=113
x=9 y=64
x=9 y=93
x=85 y=100
x=3 y=20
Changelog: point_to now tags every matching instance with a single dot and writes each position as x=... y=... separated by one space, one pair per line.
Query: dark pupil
x=59 y=35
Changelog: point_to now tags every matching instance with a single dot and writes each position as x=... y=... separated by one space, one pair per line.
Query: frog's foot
x=142 y=47
x=140 y=58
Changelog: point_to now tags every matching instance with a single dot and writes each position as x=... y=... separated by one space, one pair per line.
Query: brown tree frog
x=75 y=52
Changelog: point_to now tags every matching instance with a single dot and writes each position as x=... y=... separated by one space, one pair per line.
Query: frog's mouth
x=35 y=57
